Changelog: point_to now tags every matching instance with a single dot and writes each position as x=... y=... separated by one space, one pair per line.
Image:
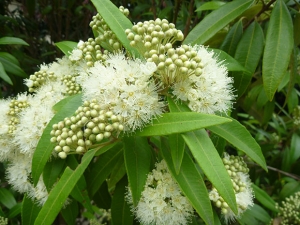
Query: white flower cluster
x=238 y=172
x=162 y=202
x=124 y=87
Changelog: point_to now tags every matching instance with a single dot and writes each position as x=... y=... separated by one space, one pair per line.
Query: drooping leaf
x=66 y=46
x=232 y=38
x=7 y=198
x=216 y=20
x=177 y=146
x=30 y=210
x=4 y=76
x=179 y=122
x=236 y=134
x=116 y=21
x=120 y=210
x=44 y=146
x=255 y=215
x=51 y=172
x=248 y=53
x=9 y=63
x=61 y=191
x=264 y=198
x=102 y=168
x=70 y=213
x=15 y=210
x=210 y=162
x=191 y=183
x=12 y=41
x=279 y=45
x=137 y=155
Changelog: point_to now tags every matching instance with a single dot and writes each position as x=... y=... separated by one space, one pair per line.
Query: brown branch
x=188 y=22
x=176 y=10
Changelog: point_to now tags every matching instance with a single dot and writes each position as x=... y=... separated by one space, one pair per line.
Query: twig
x=188 y=22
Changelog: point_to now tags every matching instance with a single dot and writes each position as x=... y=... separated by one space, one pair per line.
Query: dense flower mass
x=238 y=172
x=162 y=202
x=125 y=87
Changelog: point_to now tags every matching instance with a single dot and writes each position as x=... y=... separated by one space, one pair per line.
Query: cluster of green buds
x=234 y=165
x=105 y=35
x=3 y=221
x=177 y=65
x=38 y=79
x=289 y=212
x=15 y=107
x=85 y=130
x=158 y=35
x=91 y=51
x=70 y=82
x=103 y=216
x=296 y=116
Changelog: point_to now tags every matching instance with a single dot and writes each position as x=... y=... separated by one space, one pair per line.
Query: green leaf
x=229 y=62
x=279 y=46
x=212 y=165
x=180 y=122
x=120 y=210
x=251 y=215
x=30 y=210
x=248 y=53
x=102 y=198
x=12 y=41
x=4 y=75
x=210 y=6
x=177 y=146
x=117 y=173
x=51 y=172
x=137 y=155
x=66 y=46
x=239 y=136
x=192 y=185
x=215 y=21
x=264 y=198
x=232 y=38
x=10 y=65
x=44 y=147
x=15 y=210
x=7 y=198
x=102 y=168
x=70 y=213
x=61 y=191
x=116 y=21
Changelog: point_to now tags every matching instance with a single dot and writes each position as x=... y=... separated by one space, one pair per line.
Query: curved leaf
x=44 y=147
x=264 y=198
x=192 y=185
x=116 y=21
x=11 y=64
x=180 y=122
x=279 y=45
x=29 y=212
x=210 y=162
x=70 y=212
x=210 y=6
x=232 y=38
x=137 y=155
x=12 y=41
x=51 y=172
x=216 y=20
x=7 y=198
x=239 y=136
x=4 y=76
x=248 y=53
x=66 y=46
x=61 y=191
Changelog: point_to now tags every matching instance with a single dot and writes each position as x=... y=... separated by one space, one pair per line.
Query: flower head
x=162 y=202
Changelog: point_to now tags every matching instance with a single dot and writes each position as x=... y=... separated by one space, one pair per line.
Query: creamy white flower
x=76 y=55
x=162 y=202
x=125 y=87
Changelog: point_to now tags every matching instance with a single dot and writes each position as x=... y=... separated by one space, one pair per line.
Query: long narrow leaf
x=66 y=46
x=4 y=76
x=279 y=45
x=180 y=122
x=137 y=155
x=248 y=53
x=29 y=212
x=192 y=185
x=239 y=136
x=116 y=21
x=177 y=146
x=45 y=147
x=12 y=41
x=216 y=20
x=10 y=65
x=210 y=162
x=61 y=191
